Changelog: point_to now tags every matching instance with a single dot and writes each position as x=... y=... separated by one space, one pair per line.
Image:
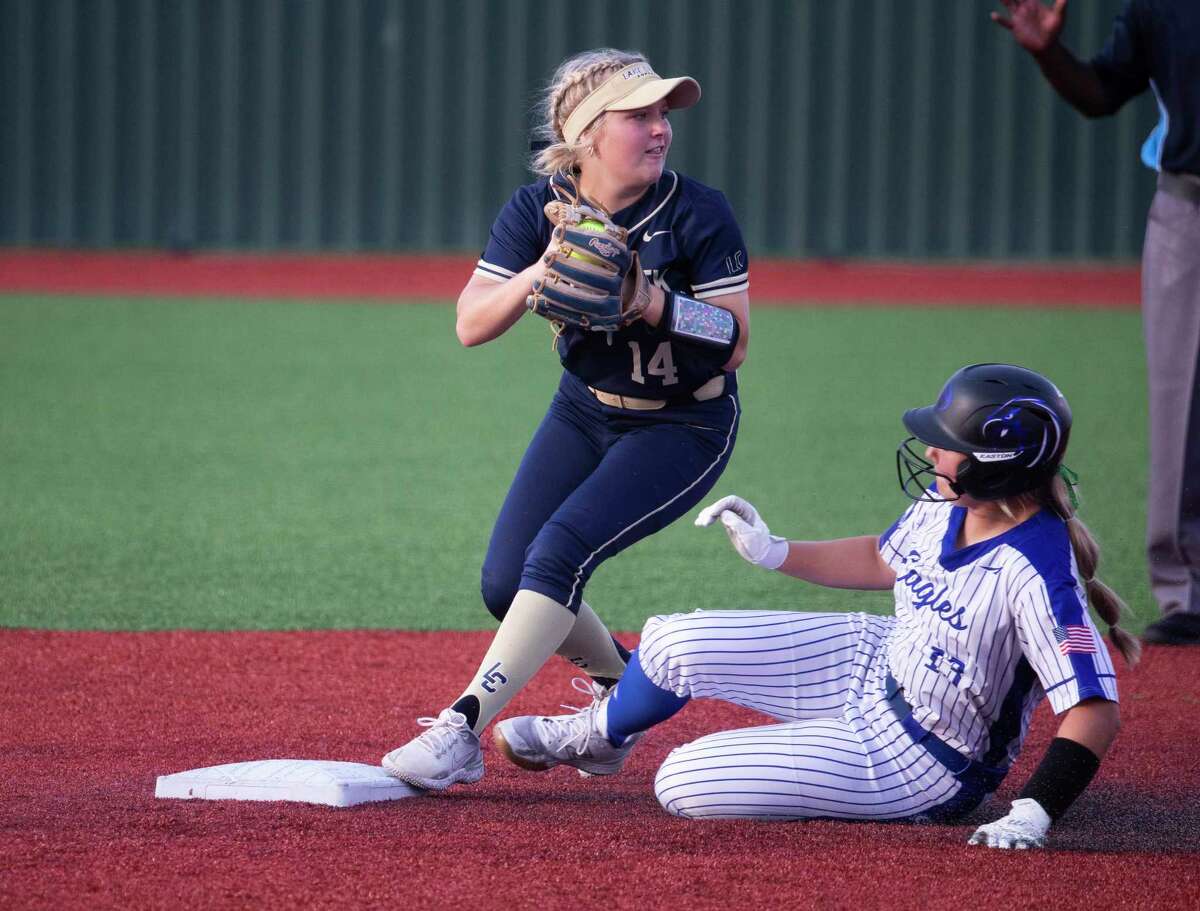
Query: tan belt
x=710 y=390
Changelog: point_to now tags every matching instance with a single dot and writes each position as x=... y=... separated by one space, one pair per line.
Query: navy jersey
x=687 y=239
x=1156 y=43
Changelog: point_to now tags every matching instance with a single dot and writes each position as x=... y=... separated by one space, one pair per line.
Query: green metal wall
x=836 y=127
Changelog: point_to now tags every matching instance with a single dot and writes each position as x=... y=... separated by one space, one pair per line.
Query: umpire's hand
x=1024 y=827
x=1035 y=27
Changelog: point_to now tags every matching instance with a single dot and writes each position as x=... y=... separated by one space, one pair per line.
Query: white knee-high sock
x=531 y=631
x=590 y=646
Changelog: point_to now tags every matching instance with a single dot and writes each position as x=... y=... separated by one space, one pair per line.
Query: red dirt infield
x=442 y=277
x=90 y=719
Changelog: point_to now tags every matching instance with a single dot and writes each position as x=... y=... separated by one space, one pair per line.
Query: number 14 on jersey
x=661 y=364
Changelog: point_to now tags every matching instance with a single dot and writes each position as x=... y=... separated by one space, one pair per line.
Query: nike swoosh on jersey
x=647 y=237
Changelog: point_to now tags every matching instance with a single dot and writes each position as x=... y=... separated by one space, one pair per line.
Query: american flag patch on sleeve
x=1075 y=640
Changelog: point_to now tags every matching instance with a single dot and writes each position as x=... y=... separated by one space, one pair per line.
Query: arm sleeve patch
x=701 y=322
x=1062 y=644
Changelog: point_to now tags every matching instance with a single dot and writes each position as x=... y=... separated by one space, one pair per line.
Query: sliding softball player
x=918 y=715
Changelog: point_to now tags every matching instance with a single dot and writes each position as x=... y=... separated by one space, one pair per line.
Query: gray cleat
x=448 y=753
x=539 y=742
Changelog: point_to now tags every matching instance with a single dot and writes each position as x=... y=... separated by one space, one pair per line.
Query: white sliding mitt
x=1024 y=827
x=748 y=533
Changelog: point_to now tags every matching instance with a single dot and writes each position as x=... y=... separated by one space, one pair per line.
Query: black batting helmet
x=1012 y=424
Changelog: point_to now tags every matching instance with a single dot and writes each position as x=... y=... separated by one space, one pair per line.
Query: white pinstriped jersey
x=983 y=632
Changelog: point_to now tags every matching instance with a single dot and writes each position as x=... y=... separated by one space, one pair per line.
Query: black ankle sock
x=621 y=650
x=469 y=706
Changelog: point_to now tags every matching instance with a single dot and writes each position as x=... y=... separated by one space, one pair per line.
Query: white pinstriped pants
x=839 y=753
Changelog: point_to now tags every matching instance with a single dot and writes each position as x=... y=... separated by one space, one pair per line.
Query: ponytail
x=1058 y=494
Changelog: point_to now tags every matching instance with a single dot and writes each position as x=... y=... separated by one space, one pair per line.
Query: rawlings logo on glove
x=592 y=281
x=607 y=250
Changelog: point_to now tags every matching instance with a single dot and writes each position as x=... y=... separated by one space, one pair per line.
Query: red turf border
x=441 y=277
x=89 y=719
x=96 y=715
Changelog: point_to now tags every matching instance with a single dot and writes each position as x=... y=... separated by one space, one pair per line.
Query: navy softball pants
x=594 y=480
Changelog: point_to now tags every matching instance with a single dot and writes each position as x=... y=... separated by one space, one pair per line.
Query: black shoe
x=1178 y=628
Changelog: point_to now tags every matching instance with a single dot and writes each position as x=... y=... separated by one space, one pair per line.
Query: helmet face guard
x=1011 y=424
x=916 y=475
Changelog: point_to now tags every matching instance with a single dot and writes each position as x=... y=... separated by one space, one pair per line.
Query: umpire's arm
x=1036 y=28
x=1076 y=82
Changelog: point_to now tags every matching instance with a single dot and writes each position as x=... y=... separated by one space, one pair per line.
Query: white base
x=334 y=784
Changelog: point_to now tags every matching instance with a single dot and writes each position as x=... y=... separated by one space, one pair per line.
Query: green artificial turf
x=250 y=465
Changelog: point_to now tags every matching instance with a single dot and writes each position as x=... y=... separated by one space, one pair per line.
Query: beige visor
x=636 y=86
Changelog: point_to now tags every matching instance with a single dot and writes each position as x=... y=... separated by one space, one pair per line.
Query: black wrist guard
x=1063 y=774
x=701 y=326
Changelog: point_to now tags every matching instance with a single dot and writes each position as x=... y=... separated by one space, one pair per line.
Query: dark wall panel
x=855 y=128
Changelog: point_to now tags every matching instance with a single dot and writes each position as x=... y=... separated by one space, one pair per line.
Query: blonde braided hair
x=1057 y=496
x=575 y=79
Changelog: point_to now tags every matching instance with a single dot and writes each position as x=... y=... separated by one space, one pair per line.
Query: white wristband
x=777 y=553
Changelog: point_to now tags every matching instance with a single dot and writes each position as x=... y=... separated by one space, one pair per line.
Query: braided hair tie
x=1071 y=479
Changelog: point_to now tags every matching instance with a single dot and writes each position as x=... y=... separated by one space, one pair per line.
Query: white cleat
x=539 y=742
x=448 y=753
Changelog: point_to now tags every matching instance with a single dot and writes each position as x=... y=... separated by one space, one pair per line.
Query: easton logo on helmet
x=1010 y=423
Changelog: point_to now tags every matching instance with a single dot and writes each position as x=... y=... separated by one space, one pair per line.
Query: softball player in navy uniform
x=643 y=274
x=917 y=715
